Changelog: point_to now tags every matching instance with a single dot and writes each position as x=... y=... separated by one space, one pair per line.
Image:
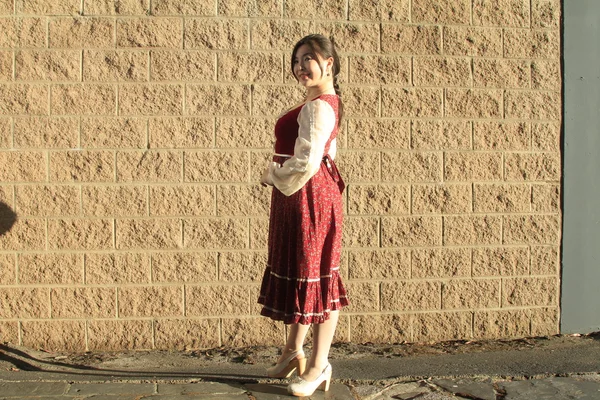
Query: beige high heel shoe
x=296 y=361
x=303 y=388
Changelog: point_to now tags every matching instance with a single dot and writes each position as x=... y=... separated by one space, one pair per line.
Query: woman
x=301 y=285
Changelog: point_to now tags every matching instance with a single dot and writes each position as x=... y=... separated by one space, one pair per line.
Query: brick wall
x=133 y=134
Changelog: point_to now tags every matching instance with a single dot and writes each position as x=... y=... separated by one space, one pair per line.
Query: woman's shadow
x=7 y=218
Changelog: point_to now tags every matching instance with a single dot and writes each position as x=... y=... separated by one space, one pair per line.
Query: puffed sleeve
x=316 y=123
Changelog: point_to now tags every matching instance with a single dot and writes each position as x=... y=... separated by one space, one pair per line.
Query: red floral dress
x=302 y=283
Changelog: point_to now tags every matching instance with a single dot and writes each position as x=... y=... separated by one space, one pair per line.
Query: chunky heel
x=301 y=366
x=303 y=388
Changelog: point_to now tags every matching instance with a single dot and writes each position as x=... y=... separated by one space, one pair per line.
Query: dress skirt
x=302 y=283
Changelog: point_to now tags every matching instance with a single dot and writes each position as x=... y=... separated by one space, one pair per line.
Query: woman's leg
x=295 y=341
x=322 y=338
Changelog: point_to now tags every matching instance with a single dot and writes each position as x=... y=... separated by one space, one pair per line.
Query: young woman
x=301 y=285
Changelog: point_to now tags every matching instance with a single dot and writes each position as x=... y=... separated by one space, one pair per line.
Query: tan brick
x=271 y=100
x=149 y=166
x=6 y=133
x=183 y=7
x=545 y=13
x=471 y=293
x=47 y=201
x=218 y=100
x=500 y=261
x=186 y=334
x=501 y=73
x=24 y=303
x=532 y=105
x=48 y=7
x=23 y=32
x=315 y=9
x=163 y=234
x=378 y=133
x=242 y=267
x=270 y=34
x=351 y=36
x=230 y=34
x=10 y=332
x=114 y=201
x=216 y=233
x=518 y=292
x=81 y=32
x=532 y=229
x=259 y=233
x=7 y=197
x=23 y=99
x=46 y=133
x=150 y=32
x=441 y=263
x=388 y=328
x=532 y=166
x=50 y=268
x=6 y=65
x=466 y=167
x=545 y=260
x=217 y=300
x=411 y=231
x=380 y=70
x=80 y=234
x=501 y=13
x=261 y=331
x=83 y=302
x=182 y=201
x=115 y=66
x=379 y=199
x=441 y=199
x=525 y=43
x=473 y=103
x=8 y=269
x=362 y=102
x=501 y=324
x=442 y=12
x=443 y=72
x=82 y=166
x=150 y=301
x=365 y=297
x=184 y=267
x=117 y=268
x=546 y=136
x=233 y=133
x=261 y=160
x=473 y=41
x=22 y=166
x=472 y=230
x=546 y=198
x=411 y=40
x=108 y=7
x=242 y=200
x=501 y=198
x=6 y=7
x=179 y=132
x=441 y=135
x=118 y=335
x=154 y=99
x=407 y=295
x=210 y=166
x=113 y=133
x=361 y=232
x=242 y=8
x=545 y=321
x=83 y=99
x=25 y=234
x=54 y=335
x=417 y=102
x=546 y=75
x=385 y=10
x=408 y=167
x=442 y=326
x=501 y=135
x=179 y=65
x=47 y=65
x=379 y=264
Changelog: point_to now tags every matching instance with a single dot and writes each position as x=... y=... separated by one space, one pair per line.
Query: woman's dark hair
x=324 y=47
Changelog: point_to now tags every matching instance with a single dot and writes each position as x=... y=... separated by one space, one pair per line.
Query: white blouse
x=316 y=123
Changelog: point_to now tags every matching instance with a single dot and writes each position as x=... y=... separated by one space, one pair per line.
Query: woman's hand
x=265 y=179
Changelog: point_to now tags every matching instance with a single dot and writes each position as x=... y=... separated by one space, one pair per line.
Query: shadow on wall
x=7 y=218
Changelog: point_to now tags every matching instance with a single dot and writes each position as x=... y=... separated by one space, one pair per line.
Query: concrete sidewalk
x=569 y=370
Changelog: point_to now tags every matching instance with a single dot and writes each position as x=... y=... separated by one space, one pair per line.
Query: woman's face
x=307 y=70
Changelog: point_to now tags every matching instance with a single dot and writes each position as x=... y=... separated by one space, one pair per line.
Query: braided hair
x=325 y=48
